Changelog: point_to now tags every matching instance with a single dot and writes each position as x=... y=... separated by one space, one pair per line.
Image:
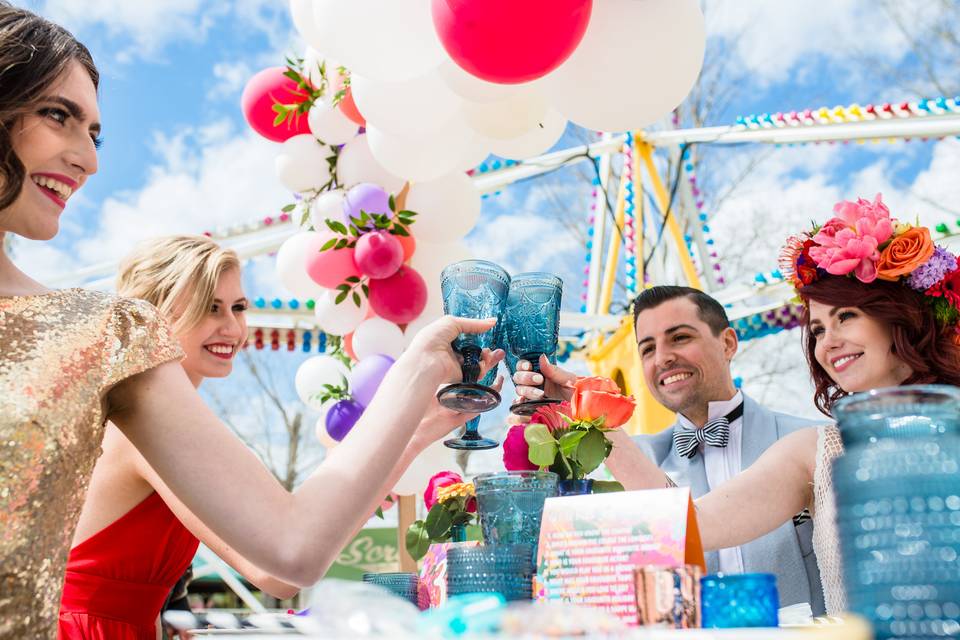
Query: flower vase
x=575 y=487
x=458 y=533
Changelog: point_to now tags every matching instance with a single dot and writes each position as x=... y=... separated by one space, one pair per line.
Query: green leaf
x=353 y=279
x=569 y=442
x=279 y=119
x=289 y=208
x=417 y=541
x=342 y=242
x=336 y=225
x=461 y=517
x=542 y=446
x=592 y=451
x=366 y=290
x=607 y=486
x=328 y=244
x=341 y=297
x=406 y=213
x=343 y=287
x=399 y=231
x=356 y=299
x=379 y=512
x=392 y=203
x=438 y=522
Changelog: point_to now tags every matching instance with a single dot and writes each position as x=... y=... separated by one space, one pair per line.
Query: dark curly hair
x=919 y=339
x=34 y=53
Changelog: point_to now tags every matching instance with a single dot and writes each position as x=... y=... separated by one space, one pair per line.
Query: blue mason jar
x=898 y=508
x=739 y=600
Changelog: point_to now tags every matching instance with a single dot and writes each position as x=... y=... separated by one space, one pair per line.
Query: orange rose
x=905 y=253
x=600 y=397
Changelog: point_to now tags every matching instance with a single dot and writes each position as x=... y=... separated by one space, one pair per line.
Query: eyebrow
x=831 y=313
x=76 y=111
x=672 y=329
x=244 y=299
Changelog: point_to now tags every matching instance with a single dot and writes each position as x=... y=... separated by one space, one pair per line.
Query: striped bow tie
x=716 y=433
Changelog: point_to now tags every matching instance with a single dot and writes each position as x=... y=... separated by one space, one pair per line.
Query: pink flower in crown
x=850 y=242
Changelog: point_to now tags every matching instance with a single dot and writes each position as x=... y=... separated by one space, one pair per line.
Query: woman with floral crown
x=881 y=305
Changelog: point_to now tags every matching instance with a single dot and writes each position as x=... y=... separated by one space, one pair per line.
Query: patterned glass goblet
x=471 y=438
x=473 y=289
x=532 y=325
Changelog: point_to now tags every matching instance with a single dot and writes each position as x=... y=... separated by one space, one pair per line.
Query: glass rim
x=492 y=266
x=540 y=475
x=543 y=276
x=854 y=401
x=740 y=577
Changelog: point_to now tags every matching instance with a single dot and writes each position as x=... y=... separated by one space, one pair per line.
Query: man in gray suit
x=686 y=345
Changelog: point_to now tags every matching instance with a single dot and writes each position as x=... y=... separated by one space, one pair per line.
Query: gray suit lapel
x=758 y=433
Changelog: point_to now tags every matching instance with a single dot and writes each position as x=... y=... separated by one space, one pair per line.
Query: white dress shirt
x=721 y=464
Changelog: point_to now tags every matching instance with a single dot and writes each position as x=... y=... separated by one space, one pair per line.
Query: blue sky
x=178 y=156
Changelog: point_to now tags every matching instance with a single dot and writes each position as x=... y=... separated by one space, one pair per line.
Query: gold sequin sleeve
x=59 y=354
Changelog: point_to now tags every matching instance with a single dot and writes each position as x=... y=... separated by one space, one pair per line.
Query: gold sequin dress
x=60 y=353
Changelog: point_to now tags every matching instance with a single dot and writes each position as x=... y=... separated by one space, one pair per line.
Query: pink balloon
x=346 y=105
x=265 y=89
x=378 y=254
x=401 y=298
x=329 y=268
x=541 y=35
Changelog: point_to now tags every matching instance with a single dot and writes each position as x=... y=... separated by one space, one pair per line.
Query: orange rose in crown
x=569 y=439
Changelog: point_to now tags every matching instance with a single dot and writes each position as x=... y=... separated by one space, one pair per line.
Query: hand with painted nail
x=555 y=382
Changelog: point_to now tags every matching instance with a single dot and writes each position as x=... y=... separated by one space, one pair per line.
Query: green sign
x=370 y=551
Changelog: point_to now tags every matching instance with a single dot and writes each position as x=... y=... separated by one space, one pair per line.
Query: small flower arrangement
x=451 y=506
x=863 y=241
x=569 y=438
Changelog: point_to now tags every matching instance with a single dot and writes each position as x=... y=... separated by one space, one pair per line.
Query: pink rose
x=550 y=416
x=516 y=451
x=849 y=243
x=439 y=480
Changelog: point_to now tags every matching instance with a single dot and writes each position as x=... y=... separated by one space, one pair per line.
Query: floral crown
x=862 y=241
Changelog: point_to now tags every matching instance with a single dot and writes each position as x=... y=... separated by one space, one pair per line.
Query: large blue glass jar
x=898 y=508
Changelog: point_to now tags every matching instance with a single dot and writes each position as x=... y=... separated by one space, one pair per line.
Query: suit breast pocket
x=804 y=532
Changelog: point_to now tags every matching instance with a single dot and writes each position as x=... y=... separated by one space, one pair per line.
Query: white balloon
x=431 y=258
x=410 y=107
x=475 y=155
x=382 y=39
x=302 y=12
x=435 y=458
x=312 y=60
x=537 y=140
x=302 y=163
x=320 y=429
x=470 y=87
x=327 y=206
x=616 y=81
x=313 y=374
x=377 y=336
x=447 y=208
x=508 y=118
x=356 y=164
x=412 y=329
x=339 y=319
x=329 y=124
x=425 y=157
x=292 y=268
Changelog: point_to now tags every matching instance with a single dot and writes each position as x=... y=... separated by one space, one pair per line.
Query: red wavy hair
x=919 y=339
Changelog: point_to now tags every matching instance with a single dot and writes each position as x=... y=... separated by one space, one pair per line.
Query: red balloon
x=265 y=89
x=331 y=267
x=378 y=254
x=539 y=35
x=346 y=105
x=401 y=298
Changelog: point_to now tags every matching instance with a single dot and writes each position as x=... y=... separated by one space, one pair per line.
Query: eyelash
x=60 y=116
x=843 y=315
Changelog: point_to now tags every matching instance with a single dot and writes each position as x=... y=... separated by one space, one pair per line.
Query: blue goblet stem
x=471 y=363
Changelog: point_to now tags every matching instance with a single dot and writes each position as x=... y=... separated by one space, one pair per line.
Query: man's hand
x=557 y=382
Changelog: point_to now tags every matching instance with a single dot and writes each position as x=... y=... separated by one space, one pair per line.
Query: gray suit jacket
x=786 y=552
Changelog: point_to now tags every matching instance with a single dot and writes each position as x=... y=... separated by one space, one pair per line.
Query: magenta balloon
x=366 y=376
x=366 y=197
x=378 y=254
x=331 y=267
x=341 y=418
x=265 y=89
x=401 y=298
x=541 y=35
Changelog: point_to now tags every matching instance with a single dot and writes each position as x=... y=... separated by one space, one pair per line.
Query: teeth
x=220 y=349
x=677 y=377
x=62 y=189
x=844 y=360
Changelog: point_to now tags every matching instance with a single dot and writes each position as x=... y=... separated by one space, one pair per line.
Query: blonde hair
x=176 y=274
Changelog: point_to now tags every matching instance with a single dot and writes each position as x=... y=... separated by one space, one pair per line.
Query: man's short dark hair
x=709 y=310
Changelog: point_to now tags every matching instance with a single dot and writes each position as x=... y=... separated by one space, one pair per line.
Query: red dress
x=118 y=579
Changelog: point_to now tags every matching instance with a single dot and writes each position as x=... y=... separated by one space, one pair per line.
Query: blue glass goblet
x=532 y=325
x=471 y=438
x=473 y=289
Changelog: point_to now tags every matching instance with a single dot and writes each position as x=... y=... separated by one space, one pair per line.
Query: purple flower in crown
x=933 y=270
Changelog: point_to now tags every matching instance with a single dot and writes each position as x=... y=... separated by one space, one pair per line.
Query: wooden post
x=407 y=513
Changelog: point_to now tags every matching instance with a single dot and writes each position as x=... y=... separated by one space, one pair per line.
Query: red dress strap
x=118 y=579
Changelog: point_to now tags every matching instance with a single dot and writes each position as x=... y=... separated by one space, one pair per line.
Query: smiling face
x=684 y=364
x=57 y=146
x=855 y=349
x=211 y=344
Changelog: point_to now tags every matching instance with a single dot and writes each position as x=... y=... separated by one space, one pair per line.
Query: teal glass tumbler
x=510 y=505
x=741 y=600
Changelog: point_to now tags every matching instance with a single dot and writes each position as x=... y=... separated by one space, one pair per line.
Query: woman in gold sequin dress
x=70 y=360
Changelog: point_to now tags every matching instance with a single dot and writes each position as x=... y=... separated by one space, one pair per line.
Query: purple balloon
x=366 y=197
x=341 y=418
x=365 y=378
